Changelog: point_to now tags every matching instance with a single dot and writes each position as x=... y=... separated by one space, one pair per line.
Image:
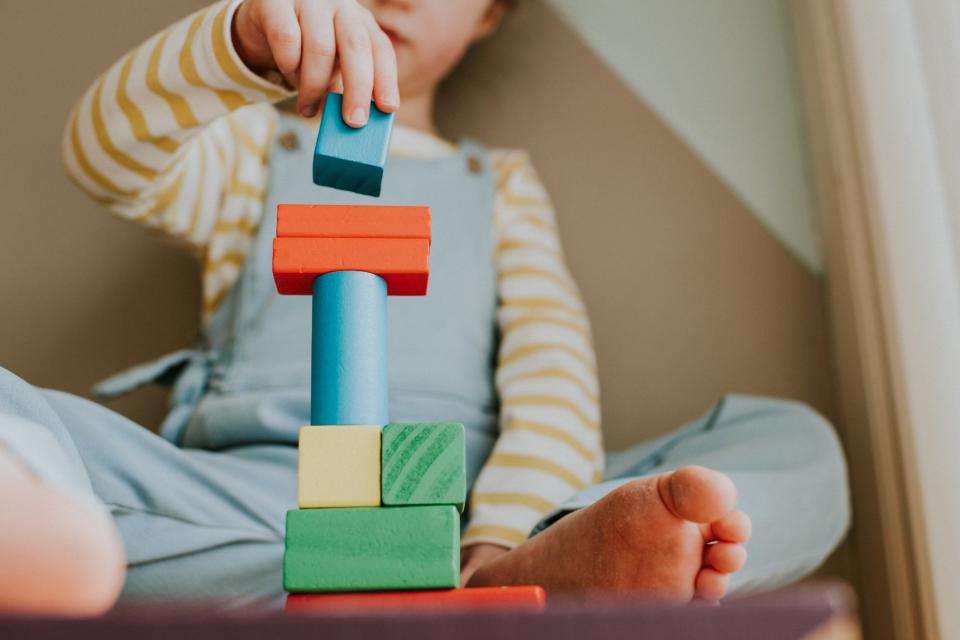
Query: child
x=182 y=135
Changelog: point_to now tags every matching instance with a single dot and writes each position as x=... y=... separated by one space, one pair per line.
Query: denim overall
x=201 y=509
x=251 y=382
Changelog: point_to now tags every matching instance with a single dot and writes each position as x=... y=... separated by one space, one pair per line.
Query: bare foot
x=60 y=554
x=674 y=536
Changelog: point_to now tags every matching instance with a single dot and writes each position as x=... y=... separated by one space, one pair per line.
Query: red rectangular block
x=403 y=262
x=530 y=598
x=352 y=221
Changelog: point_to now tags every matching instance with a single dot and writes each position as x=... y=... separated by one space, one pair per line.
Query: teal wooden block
x=423 y=464
x=372 y=549
x=347 y=158
x=348 y=373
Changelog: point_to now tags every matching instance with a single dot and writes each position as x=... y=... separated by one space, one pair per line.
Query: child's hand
x=312 y=41
x=475 y=556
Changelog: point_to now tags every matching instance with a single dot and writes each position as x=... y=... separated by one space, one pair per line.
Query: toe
x=711 y=584
x=725 y=557
x=697 y=494
x=733 y=527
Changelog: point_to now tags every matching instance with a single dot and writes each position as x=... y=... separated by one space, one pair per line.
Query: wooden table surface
x=810 y=612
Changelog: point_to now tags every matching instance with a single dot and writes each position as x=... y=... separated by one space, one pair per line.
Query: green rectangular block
x=423 y=464
x=372 y=549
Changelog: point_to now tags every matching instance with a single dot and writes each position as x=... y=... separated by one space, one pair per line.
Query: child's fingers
x=385 y=90
x=319 y=54
x=356 y=65
x=282 y=31
x=336 y=82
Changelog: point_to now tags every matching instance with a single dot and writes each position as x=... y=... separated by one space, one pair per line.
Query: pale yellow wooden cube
x=339 y=467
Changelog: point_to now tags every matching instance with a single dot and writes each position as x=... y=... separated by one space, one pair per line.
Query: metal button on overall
x=474 y=165
x=289 y=141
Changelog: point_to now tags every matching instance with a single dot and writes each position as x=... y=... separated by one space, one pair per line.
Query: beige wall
x=690 y=296
x=83 y=294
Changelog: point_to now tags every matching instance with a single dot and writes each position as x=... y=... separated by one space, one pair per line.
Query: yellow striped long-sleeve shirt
x=176 y=136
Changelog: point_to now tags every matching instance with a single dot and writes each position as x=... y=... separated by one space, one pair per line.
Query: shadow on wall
x=690 y=297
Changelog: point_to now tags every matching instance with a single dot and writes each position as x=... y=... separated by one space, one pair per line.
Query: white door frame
x=882 y=155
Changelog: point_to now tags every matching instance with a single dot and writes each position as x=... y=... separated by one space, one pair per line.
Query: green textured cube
x=372 y=549
x=423 y=464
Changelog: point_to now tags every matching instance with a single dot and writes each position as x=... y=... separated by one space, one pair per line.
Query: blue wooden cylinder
x=349 y=366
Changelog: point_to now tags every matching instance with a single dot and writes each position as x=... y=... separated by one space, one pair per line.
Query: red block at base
x=403 y=262
x=530 y=598
x=352 y=221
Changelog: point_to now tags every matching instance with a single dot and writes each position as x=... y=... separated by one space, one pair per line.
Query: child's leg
x=61 y=552
x=788 y=470
x=195 y=524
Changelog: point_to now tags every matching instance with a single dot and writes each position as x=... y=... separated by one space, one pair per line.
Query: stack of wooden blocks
x=379 y=503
